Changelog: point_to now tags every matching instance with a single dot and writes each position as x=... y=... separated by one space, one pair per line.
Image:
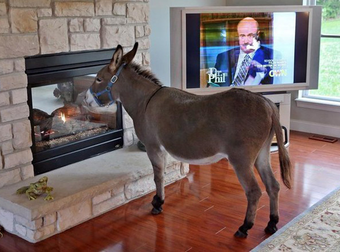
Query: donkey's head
x=101 y=96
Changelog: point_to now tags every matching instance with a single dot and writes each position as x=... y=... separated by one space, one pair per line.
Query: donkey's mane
x=145 y=73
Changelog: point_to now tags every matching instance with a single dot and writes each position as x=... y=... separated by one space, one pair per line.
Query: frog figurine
x=36 y=189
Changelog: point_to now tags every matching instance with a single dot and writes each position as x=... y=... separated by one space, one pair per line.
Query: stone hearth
x=81 y=192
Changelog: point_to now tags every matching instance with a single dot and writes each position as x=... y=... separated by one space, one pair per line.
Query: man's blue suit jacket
x=227 y=63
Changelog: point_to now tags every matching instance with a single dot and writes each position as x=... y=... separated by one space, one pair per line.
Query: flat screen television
x=279 y=44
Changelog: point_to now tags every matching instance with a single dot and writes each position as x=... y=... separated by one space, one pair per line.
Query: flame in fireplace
x=63 y=117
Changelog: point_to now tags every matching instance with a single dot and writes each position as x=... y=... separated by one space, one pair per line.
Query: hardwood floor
x=202 y=211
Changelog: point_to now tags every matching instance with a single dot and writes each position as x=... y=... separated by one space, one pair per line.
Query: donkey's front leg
x=157 y=159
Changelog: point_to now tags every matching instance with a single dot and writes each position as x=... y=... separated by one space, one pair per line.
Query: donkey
x=237 y=124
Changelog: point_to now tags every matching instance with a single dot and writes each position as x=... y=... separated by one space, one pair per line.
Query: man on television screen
x=249 y=63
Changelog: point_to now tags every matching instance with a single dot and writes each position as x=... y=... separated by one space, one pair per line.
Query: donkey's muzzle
x=91 y=105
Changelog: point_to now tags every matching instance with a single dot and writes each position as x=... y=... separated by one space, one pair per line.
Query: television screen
x=264 y=48
x=276 y=43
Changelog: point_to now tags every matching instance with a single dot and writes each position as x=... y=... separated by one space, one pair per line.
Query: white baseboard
x=315 y=128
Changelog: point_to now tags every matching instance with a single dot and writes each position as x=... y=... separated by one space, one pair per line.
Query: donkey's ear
x=116 y=58
x=130 y=55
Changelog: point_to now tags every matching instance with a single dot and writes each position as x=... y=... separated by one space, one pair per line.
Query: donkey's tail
x=285 y=164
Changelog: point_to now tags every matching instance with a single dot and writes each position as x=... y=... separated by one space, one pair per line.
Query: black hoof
x=240 y=234
x=157 y=205
x=270 y=229
x=156 y=211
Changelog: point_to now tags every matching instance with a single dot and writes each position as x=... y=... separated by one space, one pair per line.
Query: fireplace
x=64 y=131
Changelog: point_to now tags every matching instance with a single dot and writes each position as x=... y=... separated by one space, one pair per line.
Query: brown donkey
x=237 y=124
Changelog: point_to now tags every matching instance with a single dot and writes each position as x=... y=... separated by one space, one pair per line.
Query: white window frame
x=305 y=100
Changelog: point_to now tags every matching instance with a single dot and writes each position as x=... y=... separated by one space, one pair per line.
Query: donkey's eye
x=98 y=79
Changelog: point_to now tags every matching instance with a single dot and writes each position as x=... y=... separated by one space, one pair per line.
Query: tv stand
x=283 y=99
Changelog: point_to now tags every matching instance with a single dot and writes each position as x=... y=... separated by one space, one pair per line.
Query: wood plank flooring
x=202 y=211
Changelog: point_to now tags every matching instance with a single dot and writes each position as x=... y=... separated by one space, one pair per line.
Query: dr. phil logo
x=215 y=76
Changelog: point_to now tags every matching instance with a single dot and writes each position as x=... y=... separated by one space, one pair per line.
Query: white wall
x=160 y=33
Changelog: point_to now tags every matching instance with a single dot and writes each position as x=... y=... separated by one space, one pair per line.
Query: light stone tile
x=53 y=35
x=41 y=233
x=14 y=46
x=139 y=31
x=9 y=177
x=172 y=167
x=143 y=43
x=45 y=12
x=19 y=65
x=74 y=215
x=4 y=100
x=4 y=25
x=138 y=58
x=147 y=30
x=109 y=204
x=13 y=81
x=74 y=9
x=3 y=9
x=49 y=219
x=5 y=132
x=7 y=220
x=127 y=120
x=118 y=189
x=146 y=58
x=18 y=158
x=22 y=135
x=76 y=25
x=140 y=187
x=91 y=25
x=114 y=21
x=24 y=20
x=19 y=96
x=119 y=9
x=6 y=66
x=114 y=35
x=137 y=12
x=14 y=113
x=27 y=172
x=130 y=137
x=30 y=3
x=101 y=197
x=172 y=177
x=103 y=7
x=184 y=169
x=33 y=225
x=79 y=42
x=22 y=230
x=7 y=147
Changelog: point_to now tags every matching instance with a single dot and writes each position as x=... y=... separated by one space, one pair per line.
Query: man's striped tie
x=241 y=76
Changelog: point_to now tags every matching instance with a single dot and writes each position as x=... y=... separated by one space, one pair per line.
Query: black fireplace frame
x=46 y=69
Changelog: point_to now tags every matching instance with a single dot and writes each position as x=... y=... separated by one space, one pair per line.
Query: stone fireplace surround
x=31 y=27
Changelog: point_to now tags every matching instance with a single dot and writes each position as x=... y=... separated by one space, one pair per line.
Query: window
x=329 y=74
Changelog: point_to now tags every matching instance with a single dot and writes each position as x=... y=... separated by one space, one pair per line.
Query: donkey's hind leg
x=157 y=158
x=263 y=166
x=253 y=192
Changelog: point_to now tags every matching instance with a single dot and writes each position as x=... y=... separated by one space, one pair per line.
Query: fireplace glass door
x=64 y=130
x=60 y=117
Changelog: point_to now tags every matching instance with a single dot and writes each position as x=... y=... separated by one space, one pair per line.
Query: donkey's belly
x=201 y=161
